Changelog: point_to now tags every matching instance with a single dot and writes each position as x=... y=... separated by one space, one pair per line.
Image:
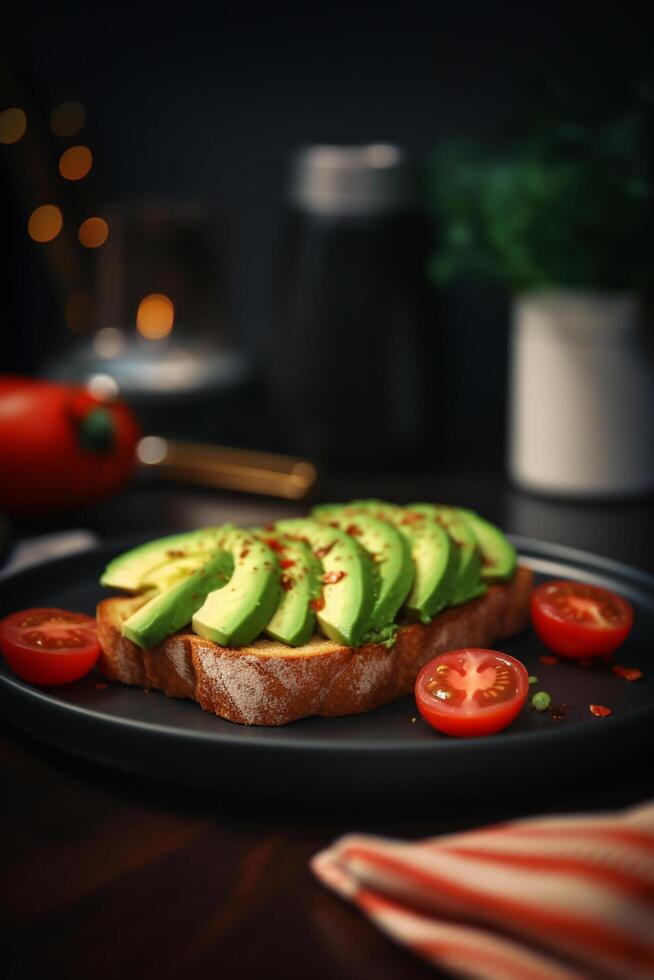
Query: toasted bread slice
x=268 y=683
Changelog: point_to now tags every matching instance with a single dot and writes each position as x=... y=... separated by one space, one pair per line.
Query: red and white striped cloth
x=551 y=898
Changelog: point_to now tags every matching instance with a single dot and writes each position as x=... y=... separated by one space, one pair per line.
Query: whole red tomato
x=60 y=447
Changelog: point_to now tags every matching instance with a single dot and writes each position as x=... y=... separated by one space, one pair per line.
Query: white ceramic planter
x=581 y=400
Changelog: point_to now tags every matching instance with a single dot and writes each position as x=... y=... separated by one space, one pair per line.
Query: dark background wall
x=188 y=101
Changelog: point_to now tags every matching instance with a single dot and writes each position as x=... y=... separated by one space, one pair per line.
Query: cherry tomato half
x=577 y=620
x=49 y=646
x=471 y=692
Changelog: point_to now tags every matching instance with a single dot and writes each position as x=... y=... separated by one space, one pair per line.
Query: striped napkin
x=551 y=898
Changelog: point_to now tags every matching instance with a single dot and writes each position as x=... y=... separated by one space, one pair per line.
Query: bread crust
x=268 y=683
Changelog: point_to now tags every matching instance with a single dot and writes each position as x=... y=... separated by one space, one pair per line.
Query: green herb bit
x=533 y=679
x=541 y=700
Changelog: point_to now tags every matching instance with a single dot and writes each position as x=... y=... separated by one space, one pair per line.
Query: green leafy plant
x=569 y=205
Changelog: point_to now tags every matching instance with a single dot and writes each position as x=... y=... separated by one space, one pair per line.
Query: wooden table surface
x=106 y=875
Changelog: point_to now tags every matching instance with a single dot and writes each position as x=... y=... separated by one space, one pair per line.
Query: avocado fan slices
x=170 y=610
x=350 y=566
x=349 y=579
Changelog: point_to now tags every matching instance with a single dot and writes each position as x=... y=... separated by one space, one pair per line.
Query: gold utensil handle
x=247 y=470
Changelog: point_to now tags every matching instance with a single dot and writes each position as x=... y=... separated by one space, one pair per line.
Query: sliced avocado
x=161 y=577
x=237 y=614
x=172 y=609
x=434 y=557
x=392 y=555
x=350 y=580
x=333 y=513
x=130 y=570
x=432 y=553
x=379 y=509
x=294 y=620
x=497 y=553
x=468 y=571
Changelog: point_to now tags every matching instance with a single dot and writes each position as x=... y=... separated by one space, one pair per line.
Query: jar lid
x=370 y=179
x=578 y=314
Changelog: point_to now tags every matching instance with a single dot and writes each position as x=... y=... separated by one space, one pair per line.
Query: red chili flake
x=627 y=673
x=353 y=530
x=274 y=544
x=321 y=552
x=269 y=527
x=331 y=578
x=286 y=582
x=546 y=659
x=317 y=604
x=412 y=518
x=100 y=687
x=244 y=553
x=176 y=553
x=600 y=710
x=286 y=562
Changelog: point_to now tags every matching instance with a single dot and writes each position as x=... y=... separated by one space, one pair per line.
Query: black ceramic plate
x=386 y=753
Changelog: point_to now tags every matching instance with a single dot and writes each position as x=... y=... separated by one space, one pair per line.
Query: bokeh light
x=67 y=118
x=45 y=223
x=13 y=123
x=103 y=387
x=79 y=312
x=109 y=342
x=75 y=162
x=93 y=232
x=155 y=316
x=152 y=450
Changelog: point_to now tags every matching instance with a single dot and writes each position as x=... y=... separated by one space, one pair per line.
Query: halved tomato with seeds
x=578 y=620
x=471 y=692
x=49 y=646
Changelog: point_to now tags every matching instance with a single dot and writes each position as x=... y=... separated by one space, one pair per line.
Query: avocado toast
x=331 y=614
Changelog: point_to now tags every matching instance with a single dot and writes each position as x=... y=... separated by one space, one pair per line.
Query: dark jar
x=354 y=326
